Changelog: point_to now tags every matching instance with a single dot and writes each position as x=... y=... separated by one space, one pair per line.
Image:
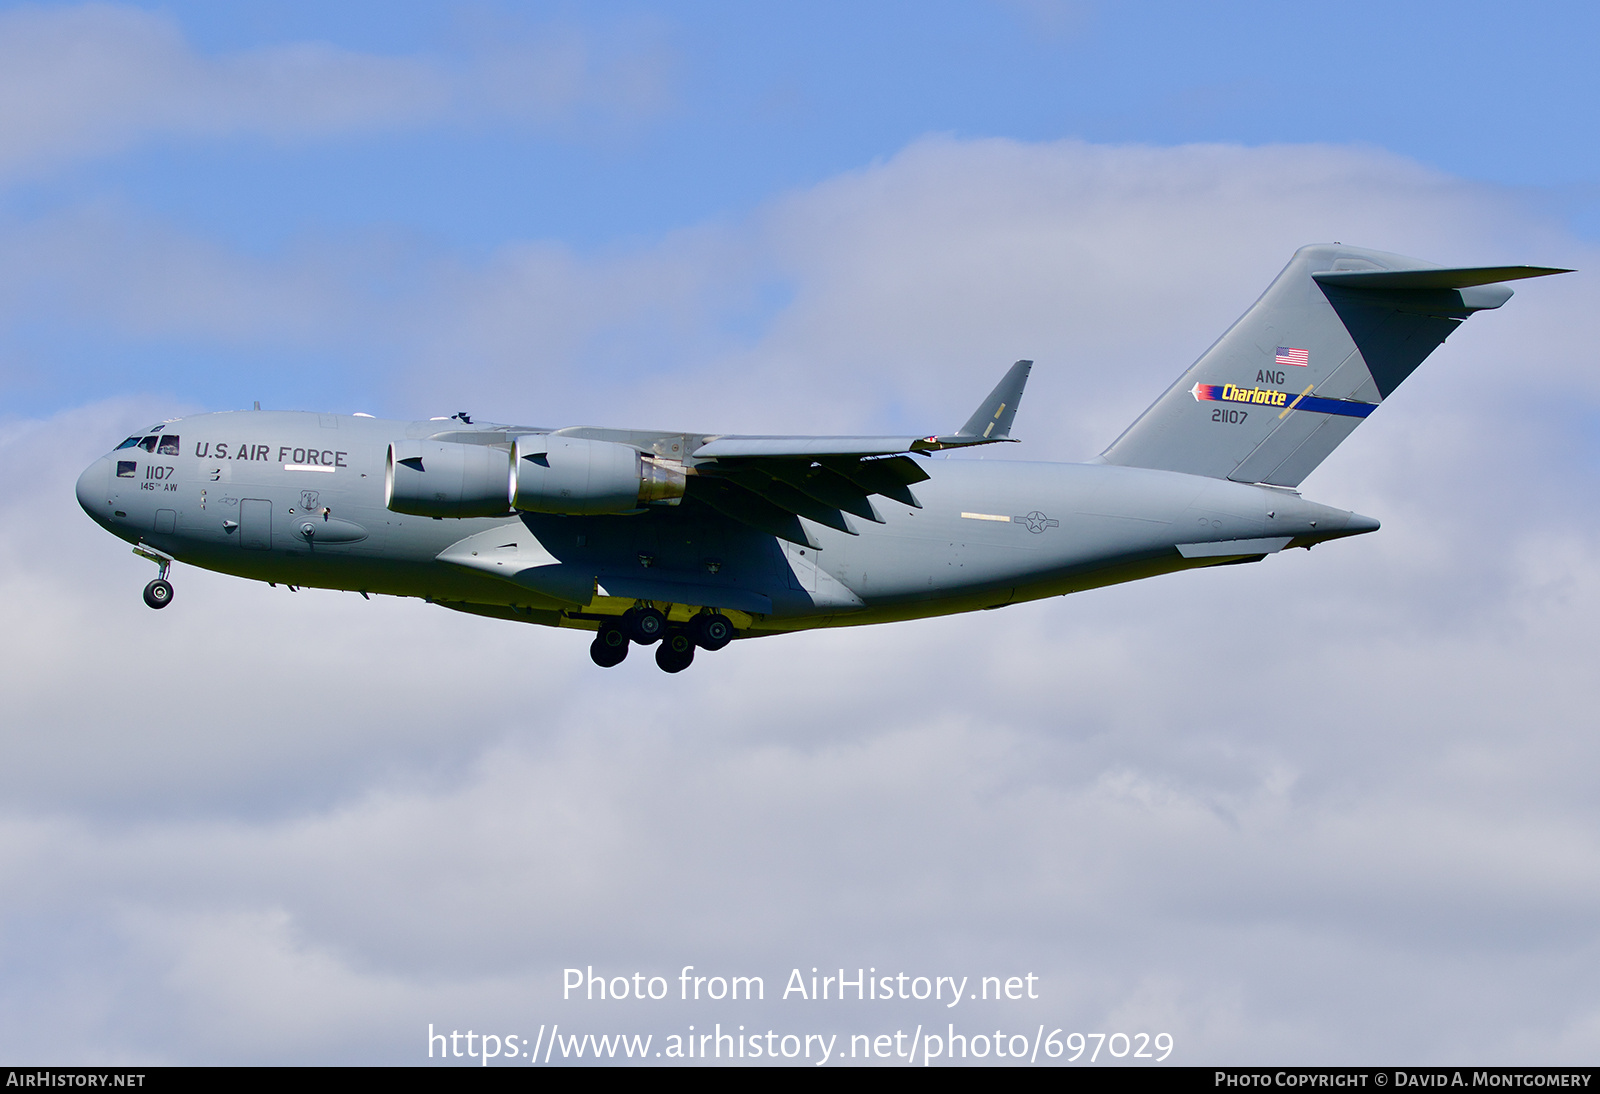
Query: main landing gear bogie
x=675 y=644
x=610 y=646
x=676 y=651
x=710 y=631
x=644 y=625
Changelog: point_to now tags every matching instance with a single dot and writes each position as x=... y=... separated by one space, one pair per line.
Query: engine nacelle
x=443 y=479
x=578 y=476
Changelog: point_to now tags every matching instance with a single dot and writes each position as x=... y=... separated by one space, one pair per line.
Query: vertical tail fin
x=1336 y=332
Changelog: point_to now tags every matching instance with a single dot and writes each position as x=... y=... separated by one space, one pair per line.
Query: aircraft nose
x=92 y=488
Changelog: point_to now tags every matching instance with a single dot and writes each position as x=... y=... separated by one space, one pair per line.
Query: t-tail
x=1336 y=332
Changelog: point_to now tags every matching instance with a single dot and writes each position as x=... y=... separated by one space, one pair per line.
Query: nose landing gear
x=157 y=594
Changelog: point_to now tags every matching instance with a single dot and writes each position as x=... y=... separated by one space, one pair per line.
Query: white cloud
x=91 y=80
x=1331 y=808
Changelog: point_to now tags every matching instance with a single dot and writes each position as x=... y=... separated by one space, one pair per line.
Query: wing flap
x=800 y=447
x=733 y=500
x=891 y=477
x=825 y=486
x=810 y=448
x=781 y=494
x=771 y=482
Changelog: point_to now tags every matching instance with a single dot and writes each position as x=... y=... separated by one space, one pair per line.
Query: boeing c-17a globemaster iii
x=690 y=540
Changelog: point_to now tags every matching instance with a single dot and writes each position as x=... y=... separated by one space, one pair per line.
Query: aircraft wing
x=734 y=446
x=770 y=482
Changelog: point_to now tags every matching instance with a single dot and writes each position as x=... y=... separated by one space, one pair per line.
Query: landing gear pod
x=443 y=479
x=578 y=476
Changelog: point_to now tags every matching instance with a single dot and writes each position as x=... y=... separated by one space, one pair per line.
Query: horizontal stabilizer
x=1463 y=277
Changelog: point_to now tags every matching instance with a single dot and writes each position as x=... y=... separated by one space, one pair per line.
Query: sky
x=1335 y=808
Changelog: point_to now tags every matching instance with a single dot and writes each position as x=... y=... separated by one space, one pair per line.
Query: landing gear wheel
x=676 y=651
x=644 y=625
x=158 y=594
x=609 y=647
x=710 y=632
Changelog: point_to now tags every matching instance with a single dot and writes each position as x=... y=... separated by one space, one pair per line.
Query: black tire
x=711 y=632
x=644 y=625
x=676 y=652
x=158 y=594
x=609 y=647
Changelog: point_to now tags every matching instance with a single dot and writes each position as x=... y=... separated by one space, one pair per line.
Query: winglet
x=992 y=420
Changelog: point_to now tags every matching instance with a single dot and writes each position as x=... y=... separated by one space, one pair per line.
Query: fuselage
x=299 y=499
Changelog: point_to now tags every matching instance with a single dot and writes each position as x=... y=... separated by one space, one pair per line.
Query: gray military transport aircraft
x=690 y=540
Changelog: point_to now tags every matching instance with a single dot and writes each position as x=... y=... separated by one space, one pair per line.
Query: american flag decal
x=1290 y=356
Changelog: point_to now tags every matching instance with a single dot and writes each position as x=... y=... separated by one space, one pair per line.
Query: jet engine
x=578 y=476
x=444 y=479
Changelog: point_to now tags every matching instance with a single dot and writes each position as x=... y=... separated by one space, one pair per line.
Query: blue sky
x=744 y=101
x=605 y=128
x=274 y=827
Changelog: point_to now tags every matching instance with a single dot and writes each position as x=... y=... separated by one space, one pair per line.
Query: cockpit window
x=166 y=446
x=126 y=468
